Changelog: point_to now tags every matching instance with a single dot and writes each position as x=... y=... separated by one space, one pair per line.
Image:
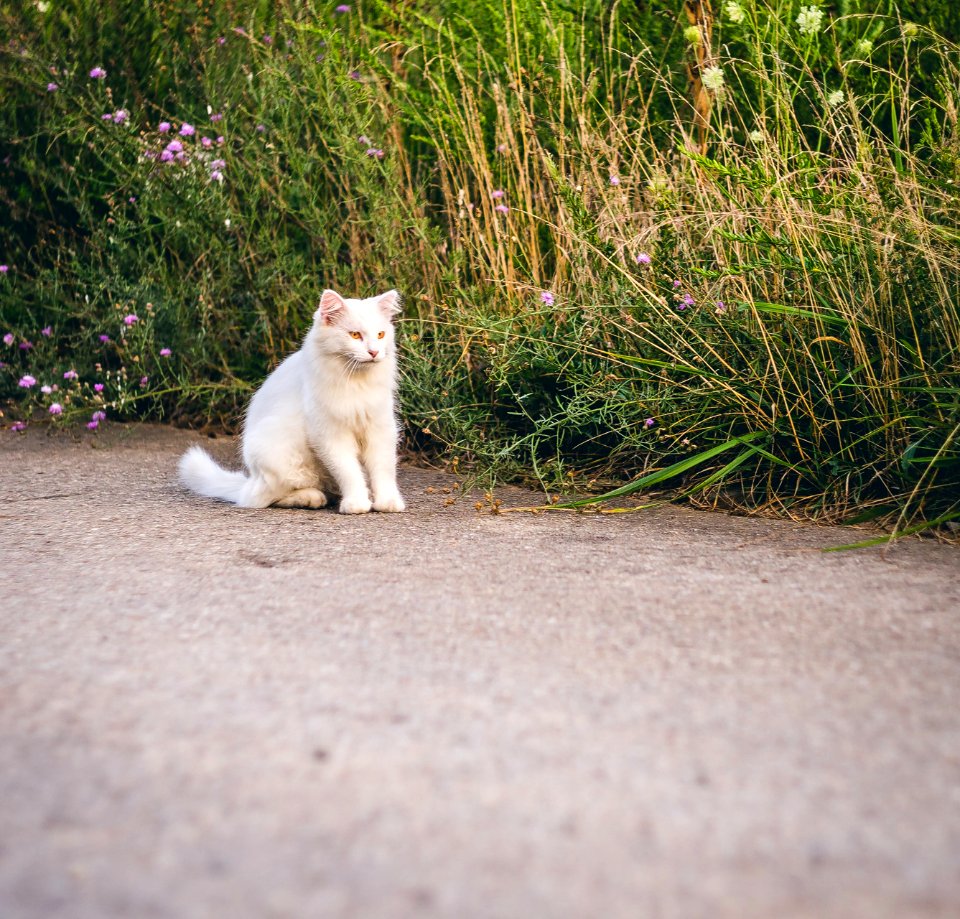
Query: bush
x=597 y=288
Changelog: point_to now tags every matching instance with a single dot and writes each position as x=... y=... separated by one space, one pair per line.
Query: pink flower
x=166 y=156
x=106 y=116
x=120 y=116
x=98 y=73
x=56 y=409
x=216 y=176
x=18 y=426
x=497 y=194
x=644 y=259
x=164 y=127
x=46 y=331
x=93 y=425
x=221 y=41
x=98 y=387
x=8 y=338
x=374 y=152
x=165 y=352
x=99 y=416
x=220 y=140
x=501 y=209
x=4 y=269
x=206 y=142
x=46 y=390
x=104 y=339
x=676 y=284
x=174 y=146
x=26 y=345
x=70 y=375
x=52 y=87
x=501 y=148
x=144 y=381
x=343 y=8
x=614 y=180
x=131 y=318
x=268 y=39
x=649 y=423
x=187 y=130
x=261 y=128
x=27 y=381
x=547 y=298
x=216 y=116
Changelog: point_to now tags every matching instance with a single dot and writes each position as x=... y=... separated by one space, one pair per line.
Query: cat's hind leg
x=303 y=497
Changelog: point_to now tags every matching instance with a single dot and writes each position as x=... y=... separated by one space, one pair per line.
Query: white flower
x=864 y=47
x=712 y=78
x=42 y=6
x=835 y=98
x=810 y=20
x=226 y=223
x=734 y=12
x=756 y=137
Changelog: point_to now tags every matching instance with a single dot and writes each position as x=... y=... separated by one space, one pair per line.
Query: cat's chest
x=356 y=407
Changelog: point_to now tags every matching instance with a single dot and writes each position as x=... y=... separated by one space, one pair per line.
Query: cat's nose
x=372 y=353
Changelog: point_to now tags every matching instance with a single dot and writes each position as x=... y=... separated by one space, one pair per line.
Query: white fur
x=323 y=423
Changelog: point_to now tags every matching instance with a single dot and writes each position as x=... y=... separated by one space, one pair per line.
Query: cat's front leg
x=380 y=459
x=340 y=455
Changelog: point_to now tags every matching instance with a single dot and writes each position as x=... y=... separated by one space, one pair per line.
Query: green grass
x=812 y=369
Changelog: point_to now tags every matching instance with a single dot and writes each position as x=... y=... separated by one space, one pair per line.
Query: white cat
x=322 y=418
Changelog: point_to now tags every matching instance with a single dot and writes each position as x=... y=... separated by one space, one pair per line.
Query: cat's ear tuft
x=331 y=303
x=389 y=303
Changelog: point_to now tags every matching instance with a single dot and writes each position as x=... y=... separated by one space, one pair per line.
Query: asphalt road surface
x=208 y=711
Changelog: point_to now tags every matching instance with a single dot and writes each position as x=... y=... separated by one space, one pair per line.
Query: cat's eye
x=381 y=334
x=356 y=335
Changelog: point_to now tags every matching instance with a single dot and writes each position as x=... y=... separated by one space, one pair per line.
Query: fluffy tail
x=202 y=475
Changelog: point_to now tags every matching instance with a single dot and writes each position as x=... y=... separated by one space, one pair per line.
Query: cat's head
x=360 y=332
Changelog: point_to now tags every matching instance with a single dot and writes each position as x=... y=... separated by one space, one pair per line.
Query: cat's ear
x=389 y=303
x=331 y=304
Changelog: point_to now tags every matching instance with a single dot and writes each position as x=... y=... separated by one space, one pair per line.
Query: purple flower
x=547 y=298
x=187 y=130
x=98 y=73
x=354 y=74
x=721 y=306
x=46 y=331
x=131 y=318
x=614 y=180
x=4 y=269
x=643 y=259
x=374 y=152
x=27 y=381
x=261 y=128
x=26 y=345
x=363 y=139
x=649 y=423
x=501 y=209
x=676 y=284
x=206 y=142
x=267 y=40
x=221 y=41
x=106 y=116
x=144 y=381
x=688 y=300
x=220 y=140
x=174 y=146
x=104 y=338
x=120 y=116
x=165 y=352
x=343 y=8
x=70 y=375
x=501 y=148
x=216 y=116
x=216 y=176
x=218 y=164
x=93 y=425
x=497 y=194
x=52 y=87
x=18 y=426
x=164 y=127
x=132 y=200
x=98 y=416
x=56 y=409
x=166 y=156
x=98 y=387
x=8 y=338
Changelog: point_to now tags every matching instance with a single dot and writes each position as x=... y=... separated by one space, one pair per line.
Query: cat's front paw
x=390 y=503
x=359 y=504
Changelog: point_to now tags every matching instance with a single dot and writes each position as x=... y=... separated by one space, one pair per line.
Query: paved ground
x=207 y=711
